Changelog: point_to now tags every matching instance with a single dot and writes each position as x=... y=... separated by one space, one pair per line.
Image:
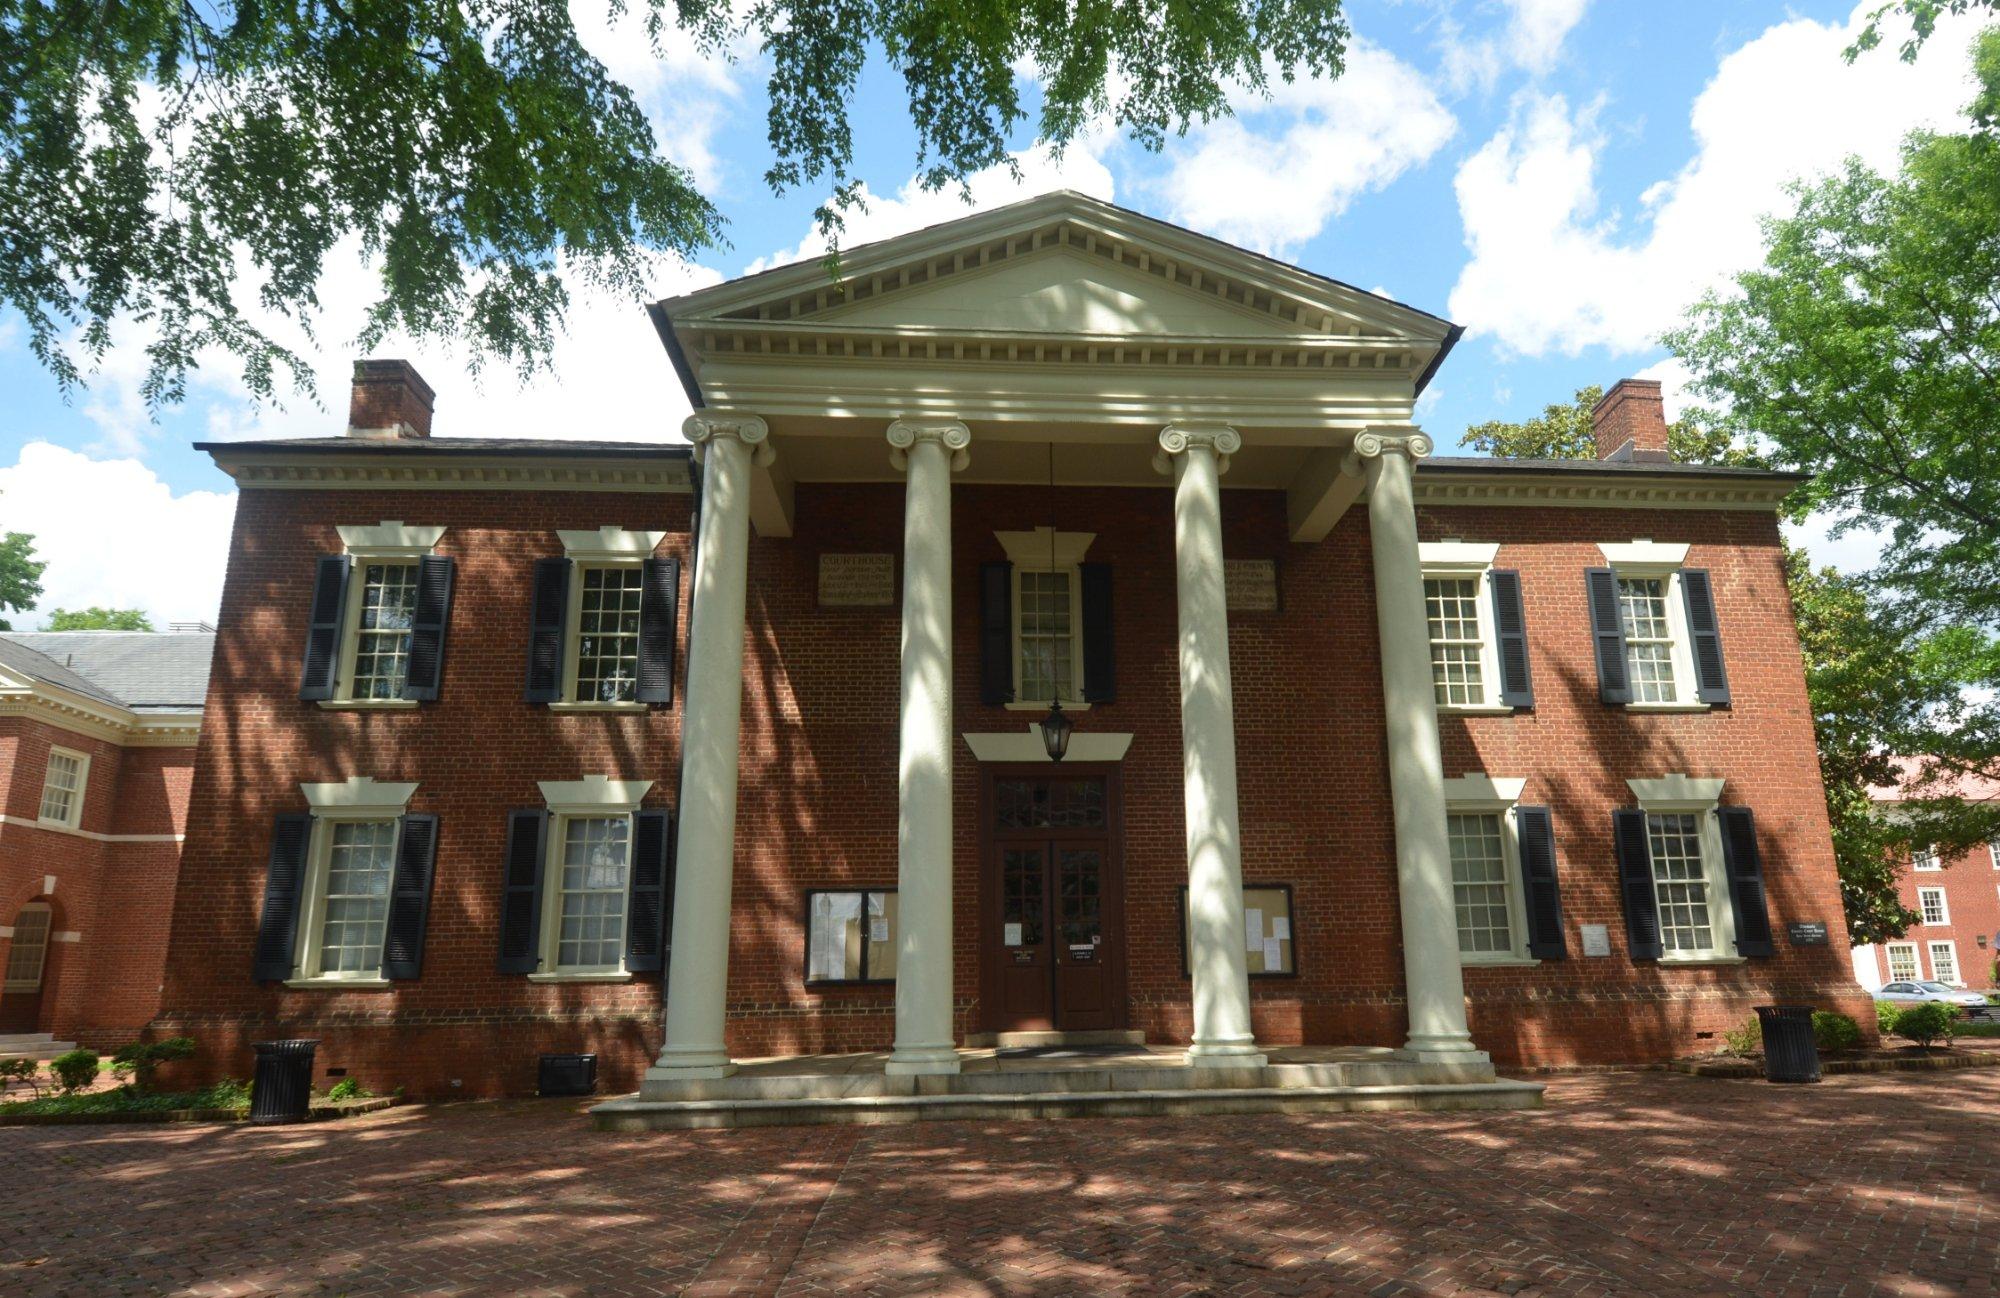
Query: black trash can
x=281 y=1090
x=1790 y=1053
x=567 y=1075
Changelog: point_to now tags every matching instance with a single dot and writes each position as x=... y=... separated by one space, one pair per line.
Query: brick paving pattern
x=1626 y=1184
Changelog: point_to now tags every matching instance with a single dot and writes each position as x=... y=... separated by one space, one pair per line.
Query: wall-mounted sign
x=1807 y=932
x=1250 y=585
x=857 y=580
x=1596 y=939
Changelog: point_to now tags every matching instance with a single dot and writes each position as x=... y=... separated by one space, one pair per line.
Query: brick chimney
x=390 y=401
x=1630 y=422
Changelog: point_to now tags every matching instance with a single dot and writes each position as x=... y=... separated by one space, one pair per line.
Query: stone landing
x=1054 y=1082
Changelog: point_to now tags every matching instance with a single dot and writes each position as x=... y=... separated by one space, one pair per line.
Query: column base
x=689 y=1066
x=922 y=1061
x=1451 y=1049
x=1225 y=1054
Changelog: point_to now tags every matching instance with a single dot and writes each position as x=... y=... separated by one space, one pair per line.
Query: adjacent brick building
x=1956 y=938
x=1371 y=747
x=97 y=734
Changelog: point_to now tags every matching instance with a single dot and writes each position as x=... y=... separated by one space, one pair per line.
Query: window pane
x=382 y=640
x=1925 y=858
x=1479 y=883
x=359 y=865
x=1931 y=901
x=1451 y=605
x=1902 y=962
x=30 y=945
x=594 y=858
x=1022 y=872
x=1680 y=882
x=1944 y=962
x=59 y=787
x=1649 y=644
x=1048 y=646
x=607 y=642
x=1050 y=804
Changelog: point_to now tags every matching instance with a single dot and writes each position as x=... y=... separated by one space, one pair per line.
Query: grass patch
x=1964 y=1029
x=124 y=1099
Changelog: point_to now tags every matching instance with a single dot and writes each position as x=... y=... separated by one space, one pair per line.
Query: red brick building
x=97 y=734
x=1956 y=938
x=1372 y=746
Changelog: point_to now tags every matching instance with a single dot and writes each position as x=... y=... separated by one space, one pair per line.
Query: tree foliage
x=152 y=151
x=20 y=575
x=99 y=619
x=1923 y=16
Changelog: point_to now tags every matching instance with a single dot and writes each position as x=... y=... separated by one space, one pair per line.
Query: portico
x=1073 y=348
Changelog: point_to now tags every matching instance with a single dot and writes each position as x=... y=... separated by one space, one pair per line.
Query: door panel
x=1024 y=938
x=27 y=955
x=1085 y=952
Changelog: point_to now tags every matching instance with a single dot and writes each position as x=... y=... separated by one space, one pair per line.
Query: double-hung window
x=381 y=661
x=603 y=623
x=585 y=892
x=1903 y=962
x=354 y=898
x=1687 y=897
x=1931 y=903
x=1503 y=872
x=1653 y=619
x=1644 y=615
x=1458 y=645
x=1944 y=961
x=594 y=855
x=335 y=881
x=1047 y=612
x=1694 y=891
x=1478 y=638
x=607 y=635
x=63 y=785
x=378 y=618
x=1925 y=860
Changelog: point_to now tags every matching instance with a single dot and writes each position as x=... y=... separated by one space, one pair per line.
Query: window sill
x=1028 y=706
x=337 y=984
x=571 y=706
x=1668 y=707
x=1497 y=961
x=1476 y=709
x=609 y=976
x=368 y=705
x=1702 y=961
x=42 y=822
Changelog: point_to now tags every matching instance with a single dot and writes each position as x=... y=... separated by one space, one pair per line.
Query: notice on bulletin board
x=1253 y=929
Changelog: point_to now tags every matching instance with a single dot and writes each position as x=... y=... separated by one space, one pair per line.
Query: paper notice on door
x=1013 y=935
x=1253 y=929
x=878 y=928
x=1274 y=960
x=1281 y=927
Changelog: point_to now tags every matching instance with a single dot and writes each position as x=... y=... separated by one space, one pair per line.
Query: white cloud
x=101 y=525
x=914 y=207
x=1531 y=39
x=1552 y=272
x=1272 y=176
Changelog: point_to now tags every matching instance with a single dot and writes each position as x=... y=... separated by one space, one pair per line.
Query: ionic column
x=1197 y=456
x=698 y=968
x=1432 y=976
x=928 y=450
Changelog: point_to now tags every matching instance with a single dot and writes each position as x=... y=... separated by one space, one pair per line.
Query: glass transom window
x=1931 y=901
x=1048 y=636
x=382 y=633
x=1680 y=881
x=1902 y=962
x=360 y=863
x=1479 y=883
x=607 y=640
x=1649 y=638
x=596 y=851
x=62 y=788
x=1451 y=604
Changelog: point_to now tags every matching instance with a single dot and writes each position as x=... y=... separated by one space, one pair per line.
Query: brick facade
x=1971 y=884
x=819 y=780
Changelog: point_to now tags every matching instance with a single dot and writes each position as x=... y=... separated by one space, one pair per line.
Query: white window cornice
x=594 y=795
x=1479 y=791
x=1044 y=546
x=610 y=544
x=390 y=539
x=1644 y=555
x=359 y=797
x=1461 y=556
x=1676 y=792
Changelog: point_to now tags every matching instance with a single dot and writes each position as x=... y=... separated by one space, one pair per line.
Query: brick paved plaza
x=1626 y=1183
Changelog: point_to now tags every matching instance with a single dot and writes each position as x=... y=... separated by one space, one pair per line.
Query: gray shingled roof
x=1625 y=468
x=141 y=670
x=458 y=446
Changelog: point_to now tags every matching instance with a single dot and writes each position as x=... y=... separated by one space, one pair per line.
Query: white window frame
x=609 y=546
x=1677 y=794
x=17 y=948
x=1644 y=558
x=358 y=798
x=1480 y=794
x=593 y=797
x=1957 y=978
x=73 y=816
x=1925 y=860
x=391 y=541
x=1916 y=963
x=1046 y=550
x=1457 y=560
x=1943 y=904
x=1993 y=850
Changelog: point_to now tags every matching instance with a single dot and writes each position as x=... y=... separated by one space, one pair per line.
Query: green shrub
x=347 y=1088
x=75 y=1070
x=1885 y=1017
x=142 y=1059
x=126 y=1099
x=1927 y=1023
x=1746 y=1040
x=27 y=1071
x=1833 y=1033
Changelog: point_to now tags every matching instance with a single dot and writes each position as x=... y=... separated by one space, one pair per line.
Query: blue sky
x=1560 y=176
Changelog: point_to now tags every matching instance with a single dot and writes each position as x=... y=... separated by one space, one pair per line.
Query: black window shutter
x=1635 y=879
x=329 y=610
x=521 y=891
x=410 y=898
x=548 y=611
x=1607 y=629
x=1745 y=867
x=650 y=891
x=659 y=618
x=996 y=632
x=284 y=880
x=1100 y=661
x=427 y=627
x=1539 y=888
x=1510 y=625
x=1711 y=682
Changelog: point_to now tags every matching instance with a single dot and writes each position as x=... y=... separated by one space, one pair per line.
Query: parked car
x=1930 y=991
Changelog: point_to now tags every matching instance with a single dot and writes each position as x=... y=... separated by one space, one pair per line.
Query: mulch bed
x=1908 y=1059
x=320 y=1111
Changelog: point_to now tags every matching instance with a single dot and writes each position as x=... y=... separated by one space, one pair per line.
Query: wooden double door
x=1052 y=939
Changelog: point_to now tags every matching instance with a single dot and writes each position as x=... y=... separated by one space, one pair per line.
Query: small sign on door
x=1013 y=935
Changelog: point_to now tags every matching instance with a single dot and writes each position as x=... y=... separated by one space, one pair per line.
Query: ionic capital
x=1179 y=439
x=1400 y=439
x=954 y=436
x=705 y=426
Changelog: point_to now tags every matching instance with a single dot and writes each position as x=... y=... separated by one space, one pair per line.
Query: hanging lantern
x=1055 y=732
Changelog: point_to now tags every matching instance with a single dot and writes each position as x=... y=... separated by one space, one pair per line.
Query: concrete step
x=633 y=1114
x=1017 y=1040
